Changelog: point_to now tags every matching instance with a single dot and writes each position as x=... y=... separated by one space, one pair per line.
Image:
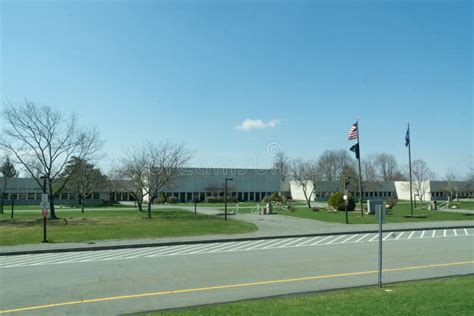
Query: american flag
x=353 y=131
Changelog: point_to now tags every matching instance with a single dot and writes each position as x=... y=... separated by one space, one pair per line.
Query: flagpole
x=409 y=167
x=360 y=174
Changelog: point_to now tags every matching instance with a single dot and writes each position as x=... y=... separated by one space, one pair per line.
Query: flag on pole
x=355 y=149
x=353 y=132
x=407 y=137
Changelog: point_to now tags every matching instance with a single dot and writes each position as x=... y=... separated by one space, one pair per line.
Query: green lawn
x=396 y=215
x=204 y=204
x=7 y=208
x=451 y=296
x=464 y=205
x=26 y=228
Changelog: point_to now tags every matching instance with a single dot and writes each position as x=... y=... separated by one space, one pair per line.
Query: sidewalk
x=268 y=226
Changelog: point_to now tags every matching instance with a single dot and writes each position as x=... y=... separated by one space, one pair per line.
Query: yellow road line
x=229 y=286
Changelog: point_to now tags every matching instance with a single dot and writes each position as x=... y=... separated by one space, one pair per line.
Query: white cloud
x=249 y=124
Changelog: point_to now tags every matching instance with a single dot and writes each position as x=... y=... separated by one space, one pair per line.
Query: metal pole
x=409 y=167
x=225 y=200
x=379 y=209
x=360 y=173
x=346 y=201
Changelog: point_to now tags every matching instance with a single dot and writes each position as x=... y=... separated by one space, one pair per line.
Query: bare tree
x=386 y=166
x=43 y=141
x=303 y=172
x=452 y=185
x=152 y=168
x=281 y=163
x=421 y=176
x=369 y=174
x=332 y=163
x=8 y=171
x=166 y=161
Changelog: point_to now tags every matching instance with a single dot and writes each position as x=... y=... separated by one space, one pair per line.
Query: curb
x=208 y=241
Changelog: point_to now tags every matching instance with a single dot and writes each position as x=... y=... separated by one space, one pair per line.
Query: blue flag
x=407 y=137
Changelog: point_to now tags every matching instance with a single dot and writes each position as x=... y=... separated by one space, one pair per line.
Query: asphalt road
x=111 y=282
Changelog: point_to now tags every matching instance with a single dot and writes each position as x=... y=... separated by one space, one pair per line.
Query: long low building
x=426 y=190
x=246 y=185
x=199 y=183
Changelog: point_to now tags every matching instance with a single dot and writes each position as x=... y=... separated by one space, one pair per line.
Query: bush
x=220 y=199
x=390 y=202
x=172 y=200
x=336 y=202
x=275 y=198
x=161 y=199
x=291 y=208
x=315 y=209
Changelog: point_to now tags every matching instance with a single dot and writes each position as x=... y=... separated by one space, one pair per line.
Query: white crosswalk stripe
x=224 y=247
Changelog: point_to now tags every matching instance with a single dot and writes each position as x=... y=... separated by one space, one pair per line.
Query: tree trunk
x=140 y=208
x=82 y=205
x=149 y=209
x=308 y=202
x=3 y=203
x=52 y=211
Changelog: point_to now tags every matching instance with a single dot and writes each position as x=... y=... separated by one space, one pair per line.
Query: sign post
x=44 y=212
x=380 y=213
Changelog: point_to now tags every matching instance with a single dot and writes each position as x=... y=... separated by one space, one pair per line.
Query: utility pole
x=225 y=197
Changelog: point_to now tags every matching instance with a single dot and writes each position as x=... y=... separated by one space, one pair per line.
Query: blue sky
x=192 y=71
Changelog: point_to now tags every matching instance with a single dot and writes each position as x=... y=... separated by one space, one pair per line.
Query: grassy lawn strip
x=451 y=296
x=26 y=228
x=464 y=205
x=397 y=215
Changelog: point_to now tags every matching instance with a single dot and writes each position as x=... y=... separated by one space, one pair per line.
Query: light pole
x=346 y=197
x=43 y=209
x=225 y=197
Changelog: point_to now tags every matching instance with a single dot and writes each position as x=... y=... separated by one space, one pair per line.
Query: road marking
x=358 y=240
x=268 y=242
x=315 y=243
x=373 y=238
x=207 y=249
x=187 y=251
x=228 y=245
x=346 y=240
x=121 y=254
x=254 y=243
x=328 y=243
x=289 y=243
x=230 y=286
x=388 y=235
x=307 y=241
x=399 y=236
x=167 y=250
x=277 y=243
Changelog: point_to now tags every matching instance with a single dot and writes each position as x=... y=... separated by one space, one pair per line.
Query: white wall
x=297 y=190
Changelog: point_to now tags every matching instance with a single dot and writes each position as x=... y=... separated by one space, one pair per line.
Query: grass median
x=396 y=215
x=450 y=296
x=74 y=226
